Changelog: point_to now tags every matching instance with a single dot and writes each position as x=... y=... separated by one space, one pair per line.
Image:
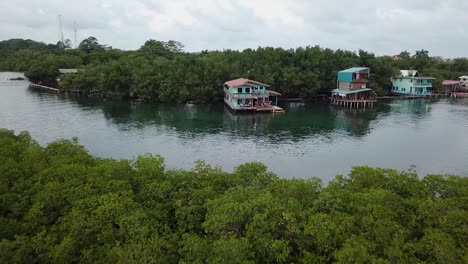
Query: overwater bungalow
x=451 y=86
x=457 y=88
x=248 y=95
x=351 y=88
x=410 y=82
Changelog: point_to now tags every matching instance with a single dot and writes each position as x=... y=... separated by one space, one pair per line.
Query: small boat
x=17 y=79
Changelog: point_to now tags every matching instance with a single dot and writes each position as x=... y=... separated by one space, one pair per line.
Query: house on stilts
x=351 y=89
x=248 y=95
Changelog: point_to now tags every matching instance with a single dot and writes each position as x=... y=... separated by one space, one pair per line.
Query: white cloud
x=377 y=26
x=173 y=14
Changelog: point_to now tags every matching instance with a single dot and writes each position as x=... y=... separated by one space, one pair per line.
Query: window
x=411 y=80
x=239 y=101
x=239 y=90
x=247 y=90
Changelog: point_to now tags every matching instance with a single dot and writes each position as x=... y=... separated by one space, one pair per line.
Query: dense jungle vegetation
x=59 y=204
x=162 y=72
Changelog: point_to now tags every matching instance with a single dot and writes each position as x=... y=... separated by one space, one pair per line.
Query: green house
x=409 y=82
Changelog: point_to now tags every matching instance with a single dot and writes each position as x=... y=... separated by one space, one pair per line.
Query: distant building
x=249 y=95
x=409 y=82
x=62 y=72
x=352 y=84
x=395 y=57
x=65 y=71
x=464 y=82
x=451 y=86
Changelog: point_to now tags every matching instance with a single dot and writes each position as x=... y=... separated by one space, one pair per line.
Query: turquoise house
x=409 y=82
x=249 y=95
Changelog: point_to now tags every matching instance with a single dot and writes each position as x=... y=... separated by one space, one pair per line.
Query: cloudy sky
x=382 y=27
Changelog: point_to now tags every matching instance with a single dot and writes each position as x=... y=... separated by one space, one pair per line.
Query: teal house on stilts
x=248 y=95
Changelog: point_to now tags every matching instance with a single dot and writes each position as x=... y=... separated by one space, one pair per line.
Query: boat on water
x=17 y=79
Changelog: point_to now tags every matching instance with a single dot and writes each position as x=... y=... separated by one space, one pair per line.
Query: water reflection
x=306 y=141
x=418 y=108
x=300 y=122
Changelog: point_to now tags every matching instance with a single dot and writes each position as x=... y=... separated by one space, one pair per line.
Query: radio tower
x=74 y=29
x=60 y=29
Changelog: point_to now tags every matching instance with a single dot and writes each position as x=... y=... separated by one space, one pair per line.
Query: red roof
x=273 y=92
x=243 y=81
x=449 y=82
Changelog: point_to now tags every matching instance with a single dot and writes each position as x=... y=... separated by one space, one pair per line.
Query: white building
x=464 y=82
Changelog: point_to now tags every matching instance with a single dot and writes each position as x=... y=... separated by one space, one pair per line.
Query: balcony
x=360 y=80
x=426 y=84
x=261 y=93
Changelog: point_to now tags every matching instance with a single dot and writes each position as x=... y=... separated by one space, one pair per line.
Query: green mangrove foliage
x=59 y=204
x=162 y=72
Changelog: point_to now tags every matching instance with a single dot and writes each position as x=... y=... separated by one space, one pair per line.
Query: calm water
x=309 y=140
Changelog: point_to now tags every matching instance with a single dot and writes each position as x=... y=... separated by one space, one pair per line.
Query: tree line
x=161 y=71
x=59 y=204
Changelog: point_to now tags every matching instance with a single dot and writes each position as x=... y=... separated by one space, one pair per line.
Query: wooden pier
x=46 y=88
x=458 y=95
x=271 y=108
x=415 y=96
x=353 y=103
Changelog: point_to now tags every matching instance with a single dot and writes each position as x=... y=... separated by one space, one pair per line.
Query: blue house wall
x=412 y=85
x=247 y=95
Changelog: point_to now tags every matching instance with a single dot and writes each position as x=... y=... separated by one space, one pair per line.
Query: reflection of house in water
x=193 y=122
x=356 y=122
x=417 y=108
x=248 y=123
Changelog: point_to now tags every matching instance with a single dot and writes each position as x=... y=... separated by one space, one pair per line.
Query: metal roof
x=68 y=70
x=407 y=73
x=355 y=69
x=243 y=81
x=339 y=91
x=273 y=92
x=450 y=82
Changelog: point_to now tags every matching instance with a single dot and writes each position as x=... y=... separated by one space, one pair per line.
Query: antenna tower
x=74 y=29
x=60 y=29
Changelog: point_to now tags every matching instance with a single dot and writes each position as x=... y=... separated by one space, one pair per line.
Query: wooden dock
x=353 y=103
x=271 y=109
x=46 y=88
x=458 y=95
x=409 y=97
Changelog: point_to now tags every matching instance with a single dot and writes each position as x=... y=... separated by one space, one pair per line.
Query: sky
x=384 y=27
